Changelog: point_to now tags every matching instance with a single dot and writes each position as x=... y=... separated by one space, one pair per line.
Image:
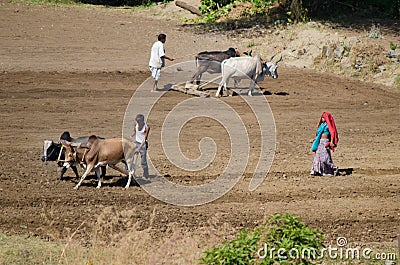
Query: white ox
x=251 y=68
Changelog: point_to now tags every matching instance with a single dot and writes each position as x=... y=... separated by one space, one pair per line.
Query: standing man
x=140 y=135
x=157 y=59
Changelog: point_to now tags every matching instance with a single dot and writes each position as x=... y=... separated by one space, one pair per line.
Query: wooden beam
x=190 y=91
x=189 y=8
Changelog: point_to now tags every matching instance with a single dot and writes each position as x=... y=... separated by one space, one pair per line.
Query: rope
x=208 y=82
x=177 y=58
x=134 y=164
x=59 y=155
x=136 y=155
x=83 y=157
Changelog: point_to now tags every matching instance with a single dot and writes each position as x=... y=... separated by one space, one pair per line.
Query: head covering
x=331 y=127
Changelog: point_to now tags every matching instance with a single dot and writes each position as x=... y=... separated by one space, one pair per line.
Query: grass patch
x=23 y=250
x=250 y=44
x=397 y=81
x=116 y=238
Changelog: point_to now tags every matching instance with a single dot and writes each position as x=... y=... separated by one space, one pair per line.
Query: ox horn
x=280 y=59
x=65 y=142
x=272 y=57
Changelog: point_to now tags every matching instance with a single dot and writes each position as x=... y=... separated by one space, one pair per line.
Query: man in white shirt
x=140 y=135
x=157 y=59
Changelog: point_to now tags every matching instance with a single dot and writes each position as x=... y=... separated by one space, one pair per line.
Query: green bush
x=215 y=9
x=260 y=245
x=211 y=14
x=300 y=10
x=289 y=233
x=241 y=250
x=207 y=6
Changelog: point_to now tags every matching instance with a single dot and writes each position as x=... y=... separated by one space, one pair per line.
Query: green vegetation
x=215 y=9
x=280 y=232
x=136 y=246
x=286 y=10
x=301 y=10
x=208 y=6
x=241 y=250
x=255 y=10
x=212 y=12
x=374 y=32
x=250 y=44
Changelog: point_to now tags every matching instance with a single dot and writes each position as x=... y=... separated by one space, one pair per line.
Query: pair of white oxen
x=237 y=68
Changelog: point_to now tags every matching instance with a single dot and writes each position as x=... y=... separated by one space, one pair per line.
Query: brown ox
x=100 y=152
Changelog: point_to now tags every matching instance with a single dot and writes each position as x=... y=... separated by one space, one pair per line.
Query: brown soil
x=75 y=69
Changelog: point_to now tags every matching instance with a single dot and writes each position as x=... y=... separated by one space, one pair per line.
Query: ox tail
x=222 y=67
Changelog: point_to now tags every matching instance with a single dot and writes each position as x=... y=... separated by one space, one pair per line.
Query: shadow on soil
x=346 y=171
x=352 y=18
x=107 y=181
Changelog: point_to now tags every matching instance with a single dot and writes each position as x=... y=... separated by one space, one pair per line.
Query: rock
x=338 y=54
x=392 y=54
x=302 y=51
x=326 y=51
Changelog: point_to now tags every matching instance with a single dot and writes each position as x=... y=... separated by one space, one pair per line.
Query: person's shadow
x=166 y=87
x=345 y=171
x=143 y=181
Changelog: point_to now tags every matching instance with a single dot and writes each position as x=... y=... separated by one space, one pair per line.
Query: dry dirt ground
x=75 y=69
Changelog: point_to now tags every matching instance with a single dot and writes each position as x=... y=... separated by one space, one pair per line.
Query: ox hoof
x=76 y=187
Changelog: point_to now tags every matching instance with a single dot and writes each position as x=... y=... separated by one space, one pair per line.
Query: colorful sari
x=323 y=163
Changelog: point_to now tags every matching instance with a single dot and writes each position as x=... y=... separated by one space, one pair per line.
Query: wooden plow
x=192 y=89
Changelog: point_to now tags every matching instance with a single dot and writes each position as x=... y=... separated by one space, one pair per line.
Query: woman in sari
x=326 y=140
